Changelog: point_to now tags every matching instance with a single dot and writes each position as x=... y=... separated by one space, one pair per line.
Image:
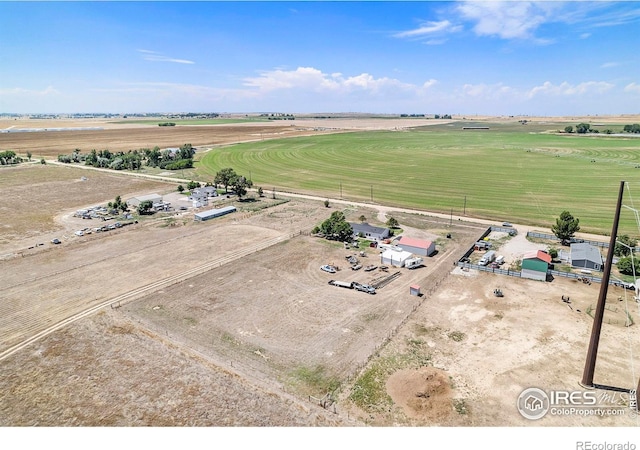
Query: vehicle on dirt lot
x=328 y=268
x=342 y=284
x=356 y=267
x=371 y=267
x=55 y=241
x=364 y=288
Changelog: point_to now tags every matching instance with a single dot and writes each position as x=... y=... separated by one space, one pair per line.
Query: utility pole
x=372 y=193
x=465 y=205
x=590 y=363
x=341 y=189
x=451 y=218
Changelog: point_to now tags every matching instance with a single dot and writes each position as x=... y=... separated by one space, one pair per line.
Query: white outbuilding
x=395 y=258
x=135 y=201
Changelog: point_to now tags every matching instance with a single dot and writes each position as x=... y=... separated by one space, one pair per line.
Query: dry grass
x=33 y=194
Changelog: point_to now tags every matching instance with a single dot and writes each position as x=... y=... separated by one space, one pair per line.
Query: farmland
x=232 y=322
x=517 y=173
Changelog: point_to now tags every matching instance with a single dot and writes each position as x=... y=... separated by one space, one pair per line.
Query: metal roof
x=583 y=250
x=215 y=212
x=420 y=243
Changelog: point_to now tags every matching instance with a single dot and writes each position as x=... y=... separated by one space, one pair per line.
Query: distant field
x=192 y=121
x=519 y=173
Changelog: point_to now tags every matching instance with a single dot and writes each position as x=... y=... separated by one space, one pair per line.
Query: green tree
x=260 y=192
x=326 y=203
x=568 y=129
x=336 y=227
x=191 y=185
x=362 y=218
x=42 y=161
x=180 y=188
x=186 y=152
x=583 y=128
x=624 y=244
x=553 y=252
x=29 y=154
x=392 y=222
x=566 y=226
x=224 y=177
x=145 y=207
x=240 y=185
x=119 y=204
x=629 y=265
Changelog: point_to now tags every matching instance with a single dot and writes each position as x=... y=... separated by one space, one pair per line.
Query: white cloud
x=567 y=89
x=49 y=90
x=585 y=35
x=609 y=64
x=429 y=28
x=149 y=55
x=314 y=80
x=508 y=19
x=633 y=88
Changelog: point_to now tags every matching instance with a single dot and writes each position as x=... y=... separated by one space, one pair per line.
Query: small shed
x=394 y=257
x=535 y=265
x=417 y=246
x=414 y=290
x=213 y=213
x=586 y=256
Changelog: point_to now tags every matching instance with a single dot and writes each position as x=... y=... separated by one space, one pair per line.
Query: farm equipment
x=585 y=280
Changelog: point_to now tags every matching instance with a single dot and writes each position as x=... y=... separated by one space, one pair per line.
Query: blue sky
x=488 y=57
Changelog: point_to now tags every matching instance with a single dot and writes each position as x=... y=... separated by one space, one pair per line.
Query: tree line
x=134 y=159
x=583 y=128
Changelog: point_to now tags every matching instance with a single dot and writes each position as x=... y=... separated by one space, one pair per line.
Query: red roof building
x=417 y=246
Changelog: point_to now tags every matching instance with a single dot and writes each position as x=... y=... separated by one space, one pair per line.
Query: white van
x=500 y=260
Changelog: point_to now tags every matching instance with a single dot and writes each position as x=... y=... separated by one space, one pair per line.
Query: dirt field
x=118 y=136
x=35 y=196
x=232 y=322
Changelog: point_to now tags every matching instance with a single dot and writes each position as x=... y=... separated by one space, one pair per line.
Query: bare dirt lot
x=34 y=196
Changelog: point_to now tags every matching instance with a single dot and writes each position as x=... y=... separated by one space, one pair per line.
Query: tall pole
x=465 y=205
x=372 y=193
x=451 y=218
x=590 y=363
x=341 y=189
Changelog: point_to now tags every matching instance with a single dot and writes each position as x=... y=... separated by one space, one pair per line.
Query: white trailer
x=413 y=263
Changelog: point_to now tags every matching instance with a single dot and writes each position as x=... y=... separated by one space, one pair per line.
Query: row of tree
x=134 y=159
x=583 y=128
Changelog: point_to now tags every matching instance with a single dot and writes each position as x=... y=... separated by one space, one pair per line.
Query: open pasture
x=515 y=173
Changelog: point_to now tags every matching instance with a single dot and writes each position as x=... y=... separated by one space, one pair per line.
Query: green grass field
x=517 y=173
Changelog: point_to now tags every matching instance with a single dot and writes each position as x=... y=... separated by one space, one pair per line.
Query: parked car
x=506 y=224
x=55 y=241
x=328 y=268
x=364 y=288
